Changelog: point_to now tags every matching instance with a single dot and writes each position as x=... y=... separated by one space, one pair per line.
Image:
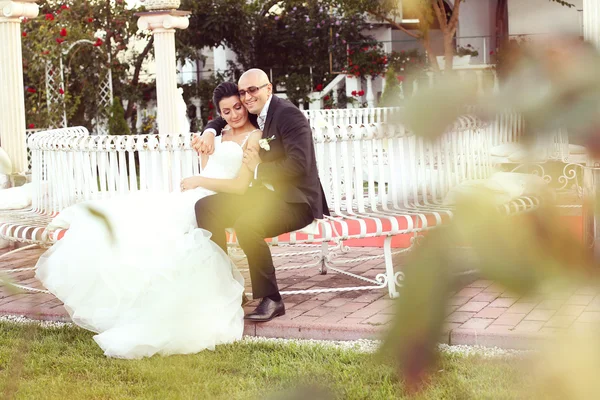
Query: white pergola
x=162 y=19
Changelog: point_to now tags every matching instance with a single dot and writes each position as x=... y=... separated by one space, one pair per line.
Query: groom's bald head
x=255 y=78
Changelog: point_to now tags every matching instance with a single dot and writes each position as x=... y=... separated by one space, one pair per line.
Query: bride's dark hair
x=224 y=90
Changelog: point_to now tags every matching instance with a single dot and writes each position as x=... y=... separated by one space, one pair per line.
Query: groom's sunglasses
x=251 y=90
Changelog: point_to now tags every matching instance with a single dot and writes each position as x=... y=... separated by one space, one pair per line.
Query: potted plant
x=461 y=58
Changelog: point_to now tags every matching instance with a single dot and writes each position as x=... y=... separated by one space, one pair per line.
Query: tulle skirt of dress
x=152 y=284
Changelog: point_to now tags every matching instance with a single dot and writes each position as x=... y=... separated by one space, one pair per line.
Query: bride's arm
x=237 y=185
x=203 y=160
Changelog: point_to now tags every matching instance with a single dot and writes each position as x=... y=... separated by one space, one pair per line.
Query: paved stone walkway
x=480 y=313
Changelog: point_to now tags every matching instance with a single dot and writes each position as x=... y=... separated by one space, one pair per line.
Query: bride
x=144 y=277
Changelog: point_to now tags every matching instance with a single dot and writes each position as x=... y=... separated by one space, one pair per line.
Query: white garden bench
x=380 y=181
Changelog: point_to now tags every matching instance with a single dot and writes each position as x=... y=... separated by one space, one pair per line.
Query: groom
x=286 y=194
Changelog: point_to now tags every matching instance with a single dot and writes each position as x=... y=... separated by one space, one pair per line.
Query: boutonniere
x=264 y=143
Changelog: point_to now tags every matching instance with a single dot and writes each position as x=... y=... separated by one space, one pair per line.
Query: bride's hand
x=189 y=184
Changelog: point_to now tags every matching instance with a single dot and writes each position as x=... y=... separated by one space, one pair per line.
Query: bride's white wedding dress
x=157 y=284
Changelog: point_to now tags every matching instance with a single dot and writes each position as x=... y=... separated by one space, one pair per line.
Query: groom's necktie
x=261 y=122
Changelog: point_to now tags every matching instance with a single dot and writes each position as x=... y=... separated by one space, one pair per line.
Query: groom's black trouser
x=255 y=216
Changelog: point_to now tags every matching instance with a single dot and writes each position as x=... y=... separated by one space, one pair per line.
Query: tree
x=107 y=26
x=392 y=91
x=429 y=13
x=116 y=121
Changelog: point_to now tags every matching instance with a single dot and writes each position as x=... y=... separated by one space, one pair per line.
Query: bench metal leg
x=389 y=267
x=324 y=257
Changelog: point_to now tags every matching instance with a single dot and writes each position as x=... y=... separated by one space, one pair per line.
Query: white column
x=370 y=94
x=591 y=176
x=12 y=99
x=591 y=21
x=163 y=24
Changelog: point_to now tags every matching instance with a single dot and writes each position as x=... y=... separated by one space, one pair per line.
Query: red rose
x=361 y=93
x=59 y=40
x=49 y=17
x=99 y=42
x=24 y=34
x=209 y=118
x=64 y=7
x=326 y=98
x=63 y=32
x=400 y=78
x=90 y=20
x=210 y=106
x=61 y=91
x=31 y=126
x=354 y=93
x=319 y=87
x=31 y=90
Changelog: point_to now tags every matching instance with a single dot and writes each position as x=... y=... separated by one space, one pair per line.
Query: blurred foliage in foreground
x=554 y=84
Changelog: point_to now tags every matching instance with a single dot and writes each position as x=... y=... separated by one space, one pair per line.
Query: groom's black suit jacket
x=290 y=165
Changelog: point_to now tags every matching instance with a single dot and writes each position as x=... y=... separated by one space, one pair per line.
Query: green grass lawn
x=65 y=363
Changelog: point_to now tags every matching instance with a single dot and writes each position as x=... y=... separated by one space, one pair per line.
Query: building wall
x=534 y=17
x=477 y=27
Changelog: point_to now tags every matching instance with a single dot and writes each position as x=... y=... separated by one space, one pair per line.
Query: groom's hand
x=251 y=158
x=207 y=143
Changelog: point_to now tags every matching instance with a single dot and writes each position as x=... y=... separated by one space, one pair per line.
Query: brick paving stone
x=494 y=288
x=594 y=305
x=449 y=326
x=570 y=310
x=331 y=318
x=522 y=308
x=301 y=285
x=391 y=310
x=450 y=310
x=319 y=278
x=318 y=311
x=550 y=331
x=369 y=297
x=580 y=300
x=350 y=307
x=550 y=304
x=364 y=312
x=304 y=319
x=540 y=315
x=503 y=302
x=589 y=316
x=493 y=320
x=382 y=304
x=509 y=319
x=473 y=306
x=490 y=312
x=489 y=297
x=378 y=319
x=458 y=300
x=337 y=302
x=350 y=321
x=529 y=326
x=460 y=317
x=584 y=327
x=593 y=291
x=477 y=323
x=469 y=292
x=481 y=283
x=325 y=296
x=562 y=321
x=308 y=305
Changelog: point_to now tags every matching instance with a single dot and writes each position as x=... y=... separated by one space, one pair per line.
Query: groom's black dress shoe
x=267 y=310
